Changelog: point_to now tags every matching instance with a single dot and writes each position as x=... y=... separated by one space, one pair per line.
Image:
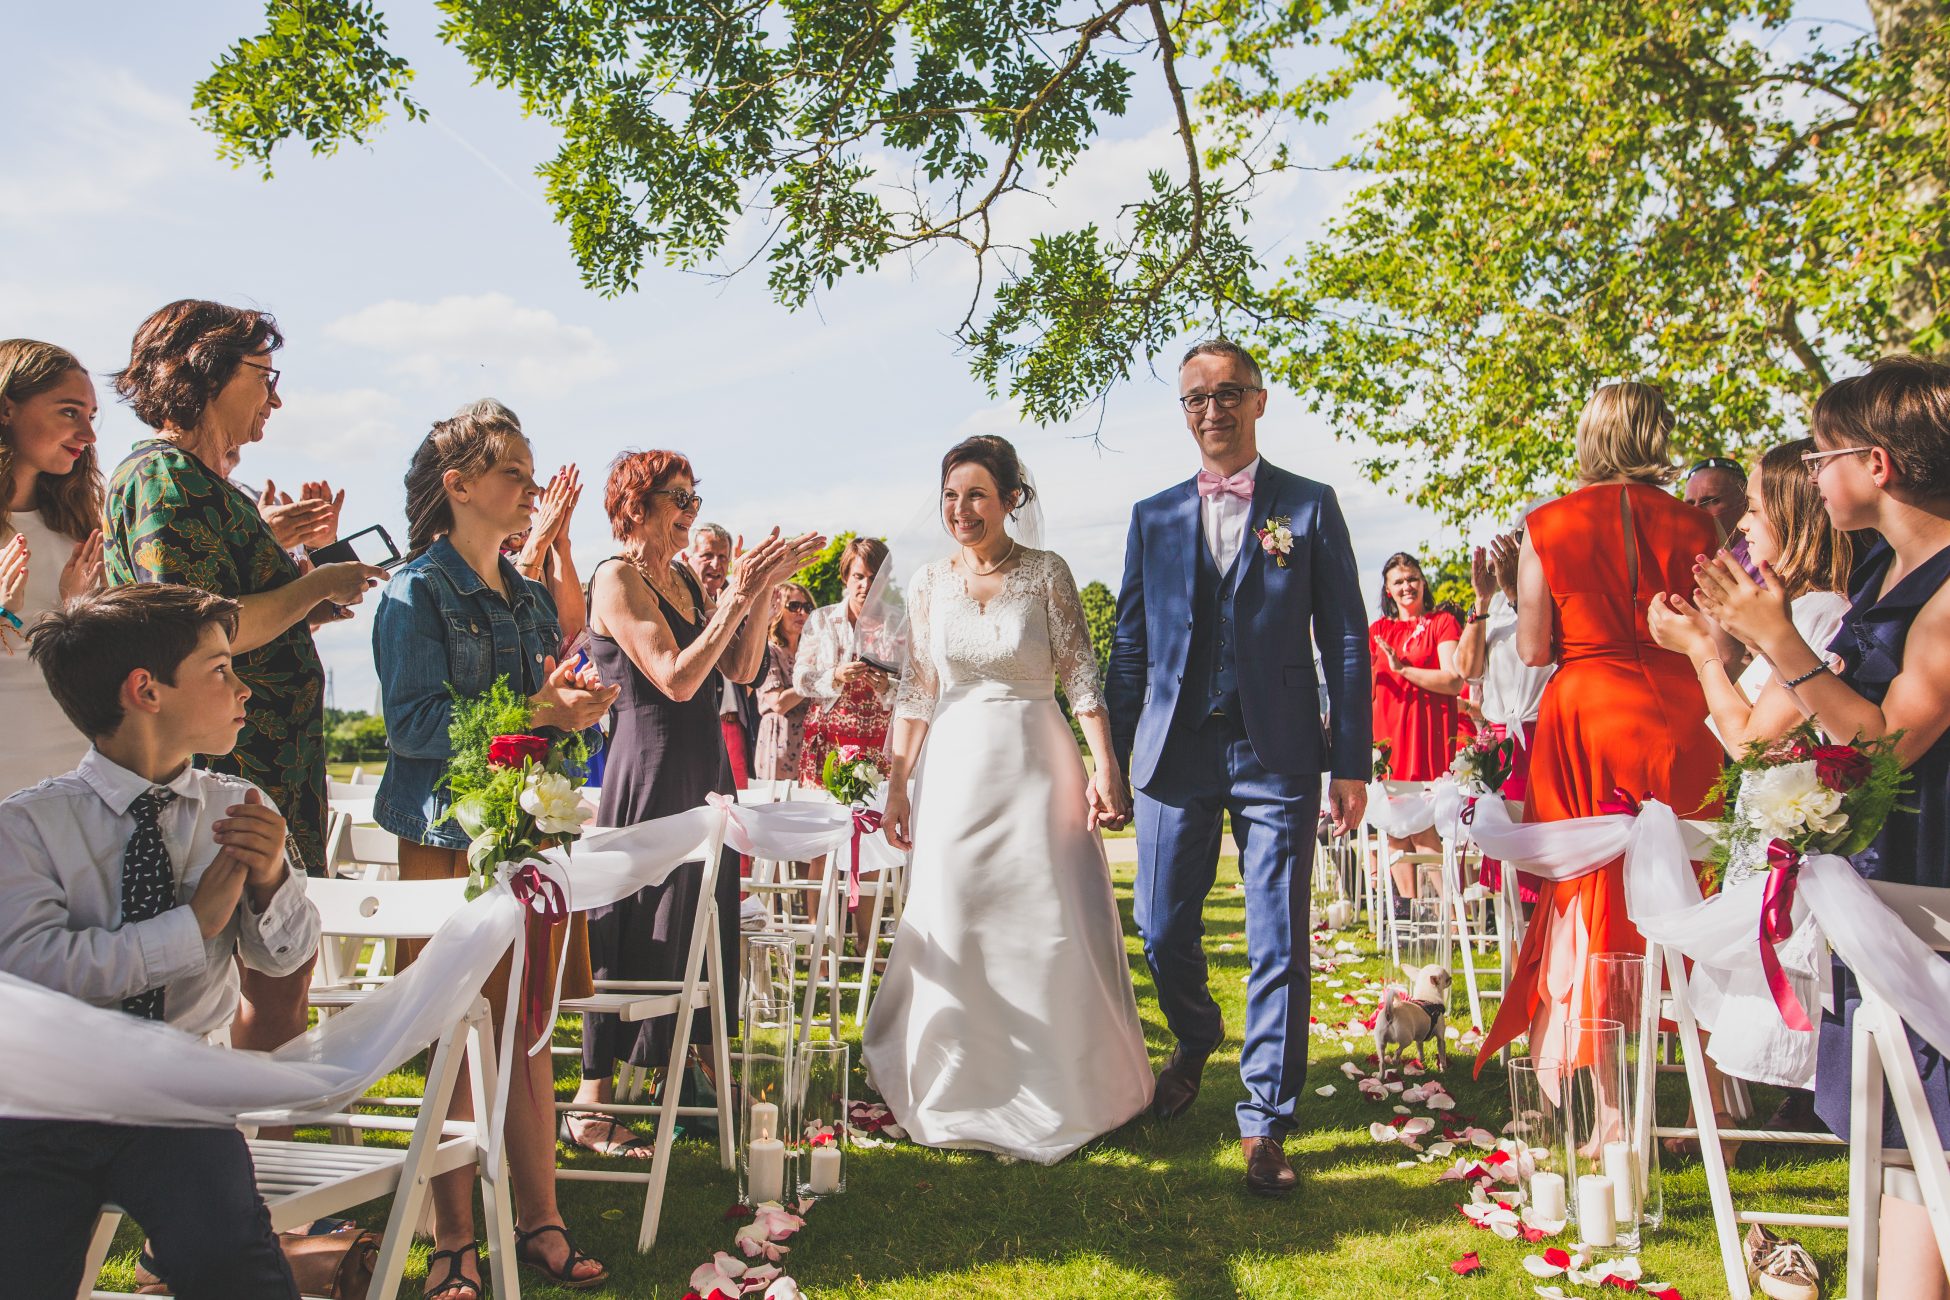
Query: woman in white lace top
x=1006 y=1021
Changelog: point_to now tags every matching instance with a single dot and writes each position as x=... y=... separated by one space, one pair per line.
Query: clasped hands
x=250 y=853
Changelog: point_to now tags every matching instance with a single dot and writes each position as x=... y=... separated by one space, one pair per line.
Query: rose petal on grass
x=1326 y=1091
x=1468 y=1264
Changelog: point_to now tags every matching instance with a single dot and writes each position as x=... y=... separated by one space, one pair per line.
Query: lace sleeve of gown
x=812 y=672
x=920 y=685
x=1069 y=639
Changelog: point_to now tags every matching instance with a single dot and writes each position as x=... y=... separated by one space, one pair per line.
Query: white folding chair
x=302 y=1181
x=1879 y=1056
x=1727 y=1220
x=702 y=989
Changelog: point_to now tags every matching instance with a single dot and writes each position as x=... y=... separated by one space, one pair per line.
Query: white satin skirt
x=1006 y=1021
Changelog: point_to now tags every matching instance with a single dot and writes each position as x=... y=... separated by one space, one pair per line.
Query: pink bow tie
x=1239 y=485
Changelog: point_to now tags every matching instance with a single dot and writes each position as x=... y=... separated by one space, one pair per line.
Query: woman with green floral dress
x=200 y=375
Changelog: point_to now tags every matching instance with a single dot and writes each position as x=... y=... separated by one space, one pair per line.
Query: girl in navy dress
x=1882 y=462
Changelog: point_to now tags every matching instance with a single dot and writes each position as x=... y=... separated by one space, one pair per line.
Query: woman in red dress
x=1620 y=713
x=1415 y=690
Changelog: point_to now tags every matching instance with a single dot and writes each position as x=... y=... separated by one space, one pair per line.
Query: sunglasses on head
x=1717 y=462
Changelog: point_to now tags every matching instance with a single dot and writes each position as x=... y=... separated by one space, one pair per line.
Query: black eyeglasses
x=1227 y=398
x=271 y=374
x=1718 y=462
x=680 y=498
x=799 y=606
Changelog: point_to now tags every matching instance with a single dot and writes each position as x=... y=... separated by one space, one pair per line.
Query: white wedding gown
x=1006 y=1021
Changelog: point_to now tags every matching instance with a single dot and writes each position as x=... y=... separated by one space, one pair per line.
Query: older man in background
x=710 y=556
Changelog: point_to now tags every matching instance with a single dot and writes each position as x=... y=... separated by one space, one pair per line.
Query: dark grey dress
x=665 y=756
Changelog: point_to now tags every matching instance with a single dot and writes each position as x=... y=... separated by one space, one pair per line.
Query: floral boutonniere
x=1276 y=537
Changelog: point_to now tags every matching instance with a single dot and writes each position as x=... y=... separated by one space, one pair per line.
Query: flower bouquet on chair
x=514 y=792
x=1787 y=801
x=1483 y=763
x=1801 y=795
x=851 y=778
x=1384 y=758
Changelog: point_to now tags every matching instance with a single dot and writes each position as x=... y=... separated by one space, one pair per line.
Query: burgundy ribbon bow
x=865 y=821
x=545 y=907
x=1776 y=926
x=1469 y=811
x=1620 y=803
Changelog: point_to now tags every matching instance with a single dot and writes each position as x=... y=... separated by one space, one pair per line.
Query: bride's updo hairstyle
x=1625 y=431
x=998 y=457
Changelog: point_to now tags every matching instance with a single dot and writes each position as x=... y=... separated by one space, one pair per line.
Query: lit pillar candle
x=825 y=1170
x=765 y=1165
x=1621 y=1166
x=1597 y=1217
x=1547 y=1197
x=765 y=1120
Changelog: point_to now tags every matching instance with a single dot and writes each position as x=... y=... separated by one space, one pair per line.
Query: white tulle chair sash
x=1399 y=813
x=61 y=1058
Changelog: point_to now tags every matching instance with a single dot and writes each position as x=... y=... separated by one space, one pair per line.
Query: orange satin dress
x=1620 y=713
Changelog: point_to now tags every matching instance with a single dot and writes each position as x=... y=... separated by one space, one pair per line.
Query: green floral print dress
x=171 y=519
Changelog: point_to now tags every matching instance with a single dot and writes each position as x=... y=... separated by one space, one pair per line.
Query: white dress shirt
x=1224 y=518
x=1512 y=689
x=61 y=846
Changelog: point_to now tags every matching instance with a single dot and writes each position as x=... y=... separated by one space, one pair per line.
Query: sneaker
x=1779 y=1267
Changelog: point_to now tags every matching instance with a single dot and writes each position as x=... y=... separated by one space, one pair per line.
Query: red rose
x=512 y=751
x=1841 y=767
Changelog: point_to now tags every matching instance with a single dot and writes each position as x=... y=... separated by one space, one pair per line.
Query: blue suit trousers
x=1205 y=772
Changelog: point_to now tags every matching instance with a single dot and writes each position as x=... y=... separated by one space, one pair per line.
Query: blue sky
x=425 y=271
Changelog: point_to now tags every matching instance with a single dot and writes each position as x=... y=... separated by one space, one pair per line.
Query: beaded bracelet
x=1808 y=676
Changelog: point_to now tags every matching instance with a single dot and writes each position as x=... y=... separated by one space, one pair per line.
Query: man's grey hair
x=486 y=408
x=711 y=530
x=1224 y=347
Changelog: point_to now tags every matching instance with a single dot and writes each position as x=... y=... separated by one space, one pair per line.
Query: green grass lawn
x=1157 y=1209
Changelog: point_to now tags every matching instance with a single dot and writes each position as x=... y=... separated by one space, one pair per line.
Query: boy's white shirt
x=61 y=846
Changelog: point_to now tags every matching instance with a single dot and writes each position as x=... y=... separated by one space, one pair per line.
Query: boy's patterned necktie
x=148 y=883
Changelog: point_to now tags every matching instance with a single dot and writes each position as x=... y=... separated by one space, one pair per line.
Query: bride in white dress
x=1006 y=1021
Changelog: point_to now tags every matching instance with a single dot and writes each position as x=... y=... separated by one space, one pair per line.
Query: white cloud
x=342 y=431
x=486 y=337
x=100 y=150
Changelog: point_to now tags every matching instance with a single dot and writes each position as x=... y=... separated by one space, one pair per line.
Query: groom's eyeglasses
x=1227 y=398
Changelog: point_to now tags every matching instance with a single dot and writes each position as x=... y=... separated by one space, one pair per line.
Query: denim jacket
x=439 y=625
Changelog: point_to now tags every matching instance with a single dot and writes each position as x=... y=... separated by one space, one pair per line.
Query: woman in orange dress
x=1620 y=714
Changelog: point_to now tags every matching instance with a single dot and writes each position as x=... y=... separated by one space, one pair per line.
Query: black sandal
x=449 y=1287
x=565 y=1276
x=631 y=1146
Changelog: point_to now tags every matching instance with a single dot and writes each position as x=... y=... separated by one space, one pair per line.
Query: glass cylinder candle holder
x=1619 y=982
x=770 y=967
x=1605 y=1203
x=767 y=1122
x=1539 y=1126
x=822 y=1106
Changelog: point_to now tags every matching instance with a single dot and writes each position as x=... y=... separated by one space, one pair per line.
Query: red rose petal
x=1466 y=1265
x=1557 y=1257
x=1533 y=1235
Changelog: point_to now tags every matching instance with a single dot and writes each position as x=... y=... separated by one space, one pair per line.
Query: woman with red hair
x=653 y=632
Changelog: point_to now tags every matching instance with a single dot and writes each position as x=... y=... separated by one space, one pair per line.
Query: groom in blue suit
x=1214 y=709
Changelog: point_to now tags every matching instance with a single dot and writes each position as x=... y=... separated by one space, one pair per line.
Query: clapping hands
x=311 y=520
x=572 y=697
x=82 y=573
x=757 y=572
x=1746 y=609
x=13 y=572
x=552 y=515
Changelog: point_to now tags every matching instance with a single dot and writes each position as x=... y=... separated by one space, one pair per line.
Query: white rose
x=1789 y=801
x=869 y=773
x=554 y=803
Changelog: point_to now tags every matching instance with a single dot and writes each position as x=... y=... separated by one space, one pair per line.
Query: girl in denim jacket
x=458 y=614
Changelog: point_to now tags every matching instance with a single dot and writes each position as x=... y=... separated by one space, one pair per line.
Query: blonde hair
x=1625 y=431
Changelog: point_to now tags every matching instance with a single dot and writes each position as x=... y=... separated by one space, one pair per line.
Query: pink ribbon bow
x=865 y=821
x=1777 y=926
x=546 y=906
x=1620 y=803
x=1239 y=485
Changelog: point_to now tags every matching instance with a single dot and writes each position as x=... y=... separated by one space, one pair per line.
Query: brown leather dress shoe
x=1178 y=1081
x=1267 y=1172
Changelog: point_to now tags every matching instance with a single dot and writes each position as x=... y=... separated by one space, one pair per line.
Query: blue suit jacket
x=1316 y=596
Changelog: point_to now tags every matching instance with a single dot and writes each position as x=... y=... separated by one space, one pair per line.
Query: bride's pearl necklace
x=968 y=558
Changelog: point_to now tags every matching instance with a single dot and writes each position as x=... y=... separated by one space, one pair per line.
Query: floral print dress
x=170 y=518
